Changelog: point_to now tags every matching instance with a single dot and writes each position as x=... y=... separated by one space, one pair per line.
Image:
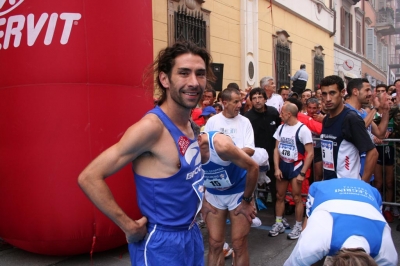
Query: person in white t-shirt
x=273 y=99
x=293 y=155
x=231 y=123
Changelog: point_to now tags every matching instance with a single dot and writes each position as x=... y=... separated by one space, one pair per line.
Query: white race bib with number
x=217 y=179
x=287 y=152
x=327 y=155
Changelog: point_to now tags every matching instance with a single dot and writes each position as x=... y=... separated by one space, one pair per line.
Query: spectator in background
x=360 y=93
x=284 y=92
x=300 y=79
x=218 y=107
x=385 y=163
x=273 y=99
x=312 y=111
x=264 y=120
x=304 y=97
x=318 y=93
x=208 y=100
x=208 y=112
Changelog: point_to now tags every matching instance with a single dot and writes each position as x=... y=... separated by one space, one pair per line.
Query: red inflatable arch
x=70 y=85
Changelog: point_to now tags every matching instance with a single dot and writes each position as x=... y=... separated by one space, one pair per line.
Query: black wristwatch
x=247 y=199
x=303 y=174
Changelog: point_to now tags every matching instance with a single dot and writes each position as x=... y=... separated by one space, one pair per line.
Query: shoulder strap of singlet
x=172 y=128
x=280 y=131
x=297 y=133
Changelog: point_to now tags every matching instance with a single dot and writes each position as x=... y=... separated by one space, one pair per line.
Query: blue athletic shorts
x=169 y=246
x=290 y=170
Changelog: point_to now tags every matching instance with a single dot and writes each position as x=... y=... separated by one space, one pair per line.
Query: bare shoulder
x=223 y=144
x=142 y=135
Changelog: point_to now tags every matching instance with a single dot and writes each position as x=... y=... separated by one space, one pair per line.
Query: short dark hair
x=226 y=95
x=217 y=105
x=257 y=90
x=165 y=61
x=209 y=89
x=302 y=66
x=233 y=85
x=282 y=88
x=382 y=85
x=331 y=80
x=295 y=101
x=356 y=83
x=394 y=83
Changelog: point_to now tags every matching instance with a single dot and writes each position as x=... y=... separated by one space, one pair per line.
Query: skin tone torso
x=184 y=89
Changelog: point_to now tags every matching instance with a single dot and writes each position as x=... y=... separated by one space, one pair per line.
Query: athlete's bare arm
x=370 y=162
x=227 y=151
x=131 y=146
x=278 y=173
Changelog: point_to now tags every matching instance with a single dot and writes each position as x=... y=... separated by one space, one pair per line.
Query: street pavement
x=263 y=250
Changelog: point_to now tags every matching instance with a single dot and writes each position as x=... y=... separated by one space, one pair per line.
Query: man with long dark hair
x=169 y=185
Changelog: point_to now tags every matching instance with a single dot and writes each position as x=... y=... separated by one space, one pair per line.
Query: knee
x=215 y=245
x=297 y=199
x=280 y=196
x=239 y=245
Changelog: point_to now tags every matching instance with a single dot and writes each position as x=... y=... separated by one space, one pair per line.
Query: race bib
x=198 y=187
x=217 y=180
x=327 y=155
x=288 y=152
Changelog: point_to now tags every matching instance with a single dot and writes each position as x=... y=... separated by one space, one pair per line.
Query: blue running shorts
x=169 y=246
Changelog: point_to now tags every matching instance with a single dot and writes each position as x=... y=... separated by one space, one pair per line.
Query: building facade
x=250 y=39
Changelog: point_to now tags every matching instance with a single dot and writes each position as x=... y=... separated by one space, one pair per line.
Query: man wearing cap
x=208 y=112
x=300 y=79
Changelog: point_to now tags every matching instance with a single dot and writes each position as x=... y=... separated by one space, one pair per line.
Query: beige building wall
x=225 y=37
x=304 y=37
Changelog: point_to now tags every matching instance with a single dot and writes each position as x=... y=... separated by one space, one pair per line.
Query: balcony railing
x=386 y=16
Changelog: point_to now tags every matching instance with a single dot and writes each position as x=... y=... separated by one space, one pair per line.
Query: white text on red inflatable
x=15 y=26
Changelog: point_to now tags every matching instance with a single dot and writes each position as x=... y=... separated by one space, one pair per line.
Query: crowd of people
x=295 y=141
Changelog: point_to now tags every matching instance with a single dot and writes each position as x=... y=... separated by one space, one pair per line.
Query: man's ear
x=163 y=77
x=343 y=92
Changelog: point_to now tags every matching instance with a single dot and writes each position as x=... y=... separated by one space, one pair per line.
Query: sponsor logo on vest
x=194 y=172
x=19 y=26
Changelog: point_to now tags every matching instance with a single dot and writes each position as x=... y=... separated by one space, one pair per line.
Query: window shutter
x=342 y=26
x=370 y=44
x=350 y=31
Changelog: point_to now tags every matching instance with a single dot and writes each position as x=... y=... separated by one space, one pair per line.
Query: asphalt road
x=264 y=250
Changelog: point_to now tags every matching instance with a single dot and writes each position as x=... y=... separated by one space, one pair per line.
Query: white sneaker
x=227 y=250
x=256 y=222
x=277 y=228
x=296 y=231
x=285 y=223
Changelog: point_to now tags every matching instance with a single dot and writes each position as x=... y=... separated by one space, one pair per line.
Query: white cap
x=394 y=94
